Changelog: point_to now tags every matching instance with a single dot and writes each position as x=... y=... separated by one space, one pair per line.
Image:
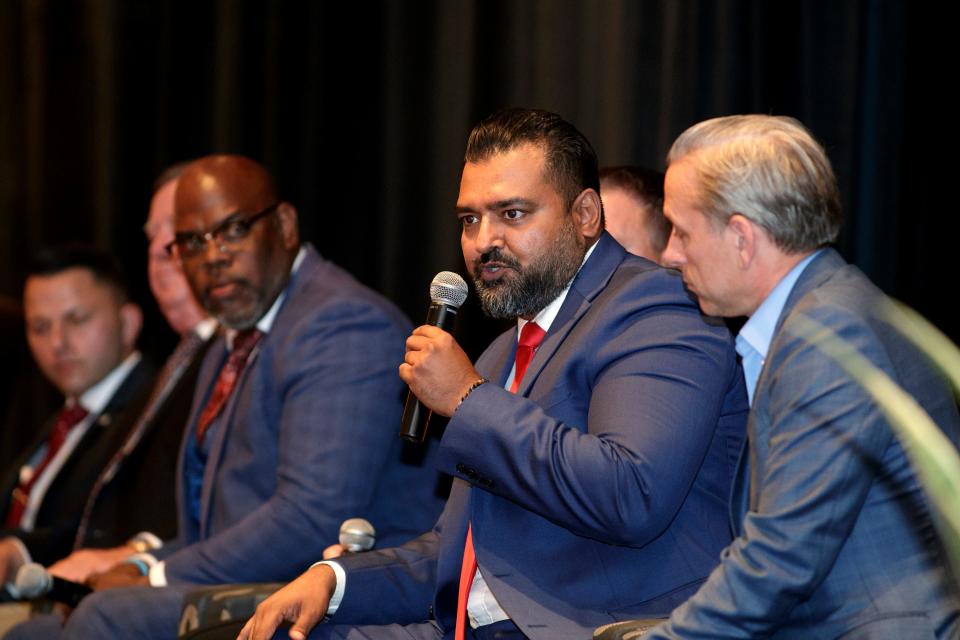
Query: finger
x=406 y=372
x=413 y=358
x=418 y=343
x=333 y=551
x=307 y=621
x=428 y=331
x=247 y=630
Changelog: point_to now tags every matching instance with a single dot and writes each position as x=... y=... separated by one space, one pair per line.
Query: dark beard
x=531 y=288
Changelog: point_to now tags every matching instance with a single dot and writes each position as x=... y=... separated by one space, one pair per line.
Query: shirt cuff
x=144 y=542
x=337 y=596
x=158 y=575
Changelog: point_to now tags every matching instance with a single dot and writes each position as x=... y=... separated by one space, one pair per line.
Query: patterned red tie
x=243 y=345
x=530 y=338
x=68 y=418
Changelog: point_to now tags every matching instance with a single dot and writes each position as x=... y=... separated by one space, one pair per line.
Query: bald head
x=235 y=239
x=225 y=180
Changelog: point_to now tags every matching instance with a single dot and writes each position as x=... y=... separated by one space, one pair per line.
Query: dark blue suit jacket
x=599 y=491
x=835 y=538
x=307 y=439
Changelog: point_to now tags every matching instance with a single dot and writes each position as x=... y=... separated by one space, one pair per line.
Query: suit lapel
x=311 y=268
x=587 y=284
x=209 y=370
x=817 y=272
x=224 y=424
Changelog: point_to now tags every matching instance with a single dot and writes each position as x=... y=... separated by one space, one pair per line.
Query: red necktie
x=243 y=344
x=530 y=338
x=67 y=419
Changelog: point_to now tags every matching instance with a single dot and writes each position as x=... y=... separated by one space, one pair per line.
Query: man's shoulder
x=321 y=290
x=837 y=296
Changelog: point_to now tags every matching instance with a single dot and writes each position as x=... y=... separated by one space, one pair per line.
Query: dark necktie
x=67 y=419
x=243 y=345
x=530 y=338
x=173 y=369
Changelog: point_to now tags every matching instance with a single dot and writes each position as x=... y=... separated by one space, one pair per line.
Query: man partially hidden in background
x=132 y=506
x=633 y=209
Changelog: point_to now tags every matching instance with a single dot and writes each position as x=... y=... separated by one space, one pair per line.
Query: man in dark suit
x=81 y=329
x=132 y=505
x=598 y=459
x=834 y=536
x=294 y=423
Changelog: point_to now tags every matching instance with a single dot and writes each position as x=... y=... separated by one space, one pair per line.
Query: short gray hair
x=768 y=169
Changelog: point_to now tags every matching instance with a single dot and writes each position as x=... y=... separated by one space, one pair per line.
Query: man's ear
x=587 y=210
x=131 y=322
x=289 y=228
x=743 y=233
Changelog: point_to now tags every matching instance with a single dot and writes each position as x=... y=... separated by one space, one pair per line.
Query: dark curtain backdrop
x=361 y=109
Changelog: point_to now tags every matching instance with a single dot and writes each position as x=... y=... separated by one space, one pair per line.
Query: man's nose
x=489 y=235
x=215 y=251
x=60 y=338
x=672 y=256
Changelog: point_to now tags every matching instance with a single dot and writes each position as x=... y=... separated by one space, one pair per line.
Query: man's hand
x=11 y=559
x=121 y=575
x=83 y=563
x=436 y=369
x=303 y=602
x=333 y=551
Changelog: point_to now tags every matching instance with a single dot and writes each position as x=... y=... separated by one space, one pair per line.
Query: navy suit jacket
x=307 y=439
x=835 y=538
x=599 y=490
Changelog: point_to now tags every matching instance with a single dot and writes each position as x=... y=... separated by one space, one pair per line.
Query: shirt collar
x=95 y=399
x=548 y=314
x=758 y=330
x=265 y=323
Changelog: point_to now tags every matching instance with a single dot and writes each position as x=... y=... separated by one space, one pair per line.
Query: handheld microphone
x=447 y=292
x=356 y=535
x=33 y=581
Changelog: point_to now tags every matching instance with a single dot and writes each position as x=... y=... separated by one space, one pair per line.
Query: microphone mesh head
x=357 y=534
x=32 y=580
x=448 y=288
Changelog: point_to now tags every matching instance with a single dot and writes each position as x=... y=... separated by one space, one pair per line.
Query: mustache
x=496 y=255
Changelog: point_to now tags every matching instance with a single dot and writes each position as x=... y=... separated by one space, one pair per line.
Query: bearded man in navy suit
x=591 y=477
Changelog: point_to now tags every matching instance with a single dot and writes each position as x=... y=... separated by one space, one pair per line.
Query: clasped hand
x=436 y=369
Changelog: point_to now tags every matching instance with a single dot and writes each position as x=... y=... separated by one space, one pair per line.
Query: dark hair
x=104 y=267
x=646 y=185
x=571 y=164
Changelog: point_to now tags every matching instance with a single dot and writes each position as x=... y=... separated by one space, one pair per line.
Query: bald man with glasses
x=294 y=421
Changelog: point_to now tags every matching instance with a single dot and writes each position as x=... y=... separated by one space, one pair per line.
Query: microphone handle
x=416 y=417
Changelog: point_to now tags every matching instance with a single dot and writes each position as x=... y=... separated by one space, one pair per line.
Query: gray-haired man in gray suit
x=834 y=537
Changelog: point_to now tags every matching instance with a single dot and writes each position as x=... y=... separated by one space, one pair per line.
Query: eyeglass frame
x=216 y=233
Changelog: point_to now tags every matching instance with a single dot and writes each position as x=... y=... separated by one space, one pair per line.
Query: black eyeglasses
x=225 y=235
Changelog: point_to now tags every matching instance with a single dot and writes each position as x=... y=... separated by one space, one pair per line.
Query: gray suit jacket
x=835 y=537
